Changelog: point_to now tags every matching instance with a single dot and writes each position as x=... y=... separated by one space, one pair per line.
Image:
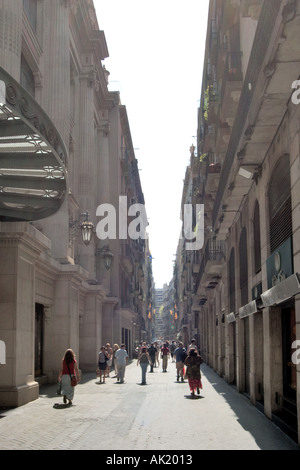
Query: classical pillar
x=103 y=194
x=62 y=319
x=20 y=246
x=85 y=160
x=90 y=329
x=55 y=99
x=11 y=36
x=109 y=330
x=56 y=82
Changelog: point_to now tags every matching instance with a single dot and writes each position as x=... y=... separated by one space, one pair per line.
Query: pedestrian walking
x=144 y=360
x=193 y=362
x=192 y=346
x=152 y=353
x=68 y=376
x=172 y=350
x=180 y=356
x=122 y=358
x=156 y=364
x=116 y=347
x=102 y=364
x=109 y=351
x=165 y=351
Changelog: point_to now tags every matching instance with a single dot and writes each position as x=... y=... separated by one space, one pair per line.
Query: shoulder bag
x=73 y=378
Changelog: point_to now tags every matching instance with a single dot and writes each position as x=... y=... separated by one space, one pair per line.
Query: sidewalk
x=158 y=416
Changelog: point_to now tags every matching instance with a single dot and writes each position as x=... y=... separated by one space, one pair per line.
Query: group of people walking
x=108 y=355
x=187 y=361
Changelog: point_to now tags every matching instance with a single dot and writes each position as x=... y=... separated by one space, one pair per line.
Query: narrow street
x=158 y=416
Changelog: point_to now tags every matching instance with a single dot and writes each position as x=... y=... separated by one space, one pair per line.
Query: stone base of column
x=12 y=397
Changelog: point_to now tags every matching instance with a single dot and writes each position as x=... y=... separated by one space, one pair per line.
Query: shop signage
x=280 y=264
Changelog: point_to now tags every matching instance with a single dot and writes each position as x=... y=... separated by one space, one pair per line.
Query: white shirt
x=121 y=356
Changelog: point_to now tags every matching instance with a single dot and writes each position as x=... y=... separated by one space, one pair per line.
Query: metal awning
x=33 y=157
x=282 y=291
x=231 y=317
x=248 y=309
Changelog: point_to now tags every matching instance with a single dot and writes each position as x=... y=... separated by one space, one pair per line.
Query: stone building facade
x=246 y=286
x=65 y=152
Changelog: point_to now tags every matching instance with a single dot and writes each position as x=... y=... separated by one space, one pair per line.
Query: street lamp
x=86 y=228
x=107 y=256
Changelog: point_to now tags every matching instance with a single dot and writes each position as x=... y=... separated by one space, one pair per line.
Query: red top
x=71 y=368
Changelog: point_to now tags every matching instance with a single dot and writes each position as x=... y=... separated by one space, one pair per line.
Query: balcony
x=33 y=157
x=213 y=172
x=231 y=86
x=211 y=265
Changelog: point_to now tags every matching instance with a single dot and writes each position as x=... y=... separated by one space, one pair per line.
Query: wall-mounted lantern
x=86 y=228
x=107 y=256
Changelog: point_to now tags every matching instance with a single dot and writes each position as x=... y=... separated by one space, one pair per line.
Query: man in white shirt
x=122 y=358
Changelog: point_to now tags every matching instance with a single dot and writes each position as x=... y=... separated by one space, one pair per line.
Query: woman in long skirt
x=68 y=369
x=192 y=363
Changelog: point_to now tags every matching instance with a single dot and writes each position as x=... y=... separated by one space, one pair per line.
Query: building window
x=27 y=77
x=280 y=204
x=256 y=234
x=30 y=8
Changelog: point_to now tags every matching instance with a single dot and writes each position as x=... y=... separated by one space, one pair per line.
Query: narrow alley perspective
x=129 y=417
x=149 y=195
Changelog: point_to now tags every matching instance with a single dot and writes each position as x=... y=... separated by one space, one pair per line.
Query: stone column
x=11 y=36
x=56 y=77
x=91 y=328
x=20 y=246
x=103 y=194
x=55 y=99
x=62 y=329
x=86 y=162
x=108 y=321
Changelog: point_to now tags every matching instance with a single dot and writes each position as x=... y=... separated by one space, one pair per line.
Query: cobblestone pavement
x=157 y=416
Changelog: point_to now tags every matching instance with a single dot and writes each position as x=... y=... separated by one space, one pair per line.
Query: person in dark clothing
x=180 y=356
x=152 y=351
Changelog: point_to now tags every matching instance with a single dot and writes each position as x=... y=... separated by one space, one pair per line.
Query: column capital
x=72 y=4
x=104 y=127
